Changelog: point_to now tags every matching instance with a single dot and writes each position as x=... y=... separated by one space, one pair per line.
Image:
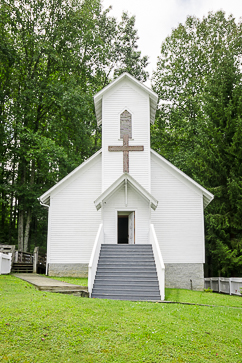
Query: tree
x=54 y=56
x=198 y=80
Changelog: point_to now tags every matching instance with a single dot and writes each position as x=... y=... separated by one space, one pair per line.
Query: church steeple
x=98 y=97
x=125 y=108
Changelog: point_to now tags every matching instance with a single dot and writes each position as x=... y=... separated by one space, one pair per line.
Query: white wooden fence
x=5 y=263
x=231 y=286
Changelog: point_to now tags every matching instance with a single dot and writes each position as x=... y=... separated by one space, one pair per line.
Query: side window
x=125 y=124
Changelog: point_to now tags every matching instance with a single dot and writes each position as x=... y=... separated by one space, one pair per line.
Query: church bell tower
x=125 y=108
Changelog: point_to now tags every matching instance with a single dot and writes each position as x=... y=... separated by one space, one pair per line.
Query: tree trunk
x=20 y=230
x=15 y=216
x=11 y=226
x=29 y=213
x=27 y=228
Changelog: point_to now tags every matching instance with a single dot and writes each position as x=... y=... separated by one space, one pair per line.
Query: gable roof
x=98 y=97
x=126 y=178
x=45 y=198
x=207 y=196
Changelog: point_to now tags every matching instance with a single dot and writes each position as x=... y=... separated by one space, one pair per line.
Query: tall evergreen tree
x=198 y=128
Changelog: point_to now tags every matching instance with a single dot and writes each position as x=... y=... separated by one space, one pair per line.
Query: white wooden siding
x=137 y=203
x=178 y=219
x=126 y=96
x=73 y=218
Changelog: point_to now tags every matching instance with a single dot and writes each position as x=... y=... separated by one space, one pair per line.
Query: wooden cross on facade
x=126 y=148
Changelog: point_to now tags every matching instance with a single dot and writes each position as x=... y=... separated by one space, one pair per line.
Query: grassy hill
x=36 y=326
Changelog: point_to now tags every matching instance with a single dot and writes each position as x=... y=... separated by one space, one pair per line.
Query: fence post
x=230 y=293
x=35 y=259
x=12 y=256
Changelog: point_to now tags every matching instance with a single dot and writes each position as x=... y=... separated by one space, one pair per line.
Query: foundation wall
x=68 y=269
x=184 y=276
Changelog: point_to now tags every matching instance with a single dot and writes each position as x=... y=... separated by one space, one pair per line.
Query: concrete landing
x=47 y=284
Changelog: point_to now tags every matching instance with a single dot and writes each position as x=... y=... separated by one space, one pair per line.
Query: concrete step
x=123 y=250
x=124 y=256
x=126 y=274
x=126 y=245
x=126 y=291
x=127 y=269
x=133 y=297
x=125 y=279
x=126 y=250
x=64 y=288
x=125 y=264
x=128 y=266
x=121 y=283
x=127 y=258
x=67 y=290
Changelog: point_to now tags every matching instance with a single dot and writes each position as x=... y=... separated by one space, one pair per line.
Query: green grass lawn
x=37 y=326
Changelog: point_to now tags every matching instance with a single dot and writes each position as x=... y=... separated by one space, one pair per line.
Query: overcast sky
x=155 y=19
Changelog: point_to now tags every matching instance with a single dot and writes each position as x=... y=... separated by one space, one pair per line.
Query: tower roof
x=98 y=97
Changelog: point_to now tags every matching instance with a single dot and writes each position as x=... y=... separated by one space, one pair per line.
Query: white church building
x=126 y=217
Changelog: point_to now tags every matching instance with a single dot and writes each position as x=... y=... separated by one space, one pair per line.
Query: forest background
x=54 y=56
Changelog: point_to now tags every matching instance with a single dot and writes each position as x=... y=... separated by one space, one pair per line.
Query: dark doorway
x=123 y=234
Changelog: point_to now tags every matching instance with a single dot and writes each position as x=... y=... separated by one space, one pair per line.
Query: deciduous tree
x=54 y=56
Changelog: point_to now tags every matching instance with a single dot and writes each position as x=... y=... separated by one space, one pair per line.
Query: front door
x=126 y=227
x=123 y=234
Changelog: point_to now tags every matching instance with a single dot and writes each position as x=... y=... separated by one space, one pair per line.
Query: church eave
x=120 y=182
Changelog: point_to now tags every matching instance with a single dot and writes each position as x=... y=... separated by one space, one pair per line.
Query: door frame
x=127 y=213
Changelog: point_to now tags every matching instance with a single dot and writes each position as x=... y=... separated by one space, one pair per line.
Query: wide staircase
x=126 y=272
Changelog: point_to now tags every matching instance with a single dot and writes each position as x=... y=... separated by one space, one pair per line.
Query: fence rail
x=231 y=286
x=19 y=257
